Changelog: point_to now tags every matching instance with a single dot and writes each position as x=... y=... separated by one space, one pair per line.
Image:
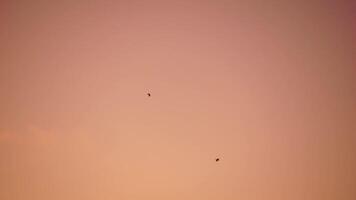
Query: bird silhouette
x=148 y=94
x=217 y=159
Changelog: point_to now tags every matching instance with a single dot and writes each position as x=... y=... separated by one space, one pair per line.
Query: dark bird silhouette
x=148 y=94
x=217 y=159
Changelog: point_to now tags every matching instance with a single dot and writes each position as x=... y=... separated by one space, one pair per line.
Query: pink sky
x=267 y=86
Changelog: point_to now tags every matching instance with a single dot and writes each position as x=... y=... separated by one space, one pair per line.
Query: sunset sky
x=269 y=87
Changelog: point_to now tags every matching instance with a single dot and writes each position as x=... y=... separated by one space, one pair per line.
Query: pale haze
x=268 y=87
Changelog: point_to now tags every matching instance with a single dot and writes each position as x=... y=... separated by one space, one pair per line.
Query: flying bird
x=217 y=159
x=148 y=94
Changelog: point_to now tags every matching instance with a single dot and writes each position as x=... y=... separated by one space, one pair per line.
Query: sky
x=269 y=87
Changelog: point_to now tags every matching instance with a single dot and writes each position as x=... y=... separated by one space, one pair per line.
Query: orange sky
x=268 y=86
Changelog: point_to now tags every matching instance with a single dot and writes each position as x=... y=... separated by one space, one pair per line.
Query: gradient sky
x=267 y=86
